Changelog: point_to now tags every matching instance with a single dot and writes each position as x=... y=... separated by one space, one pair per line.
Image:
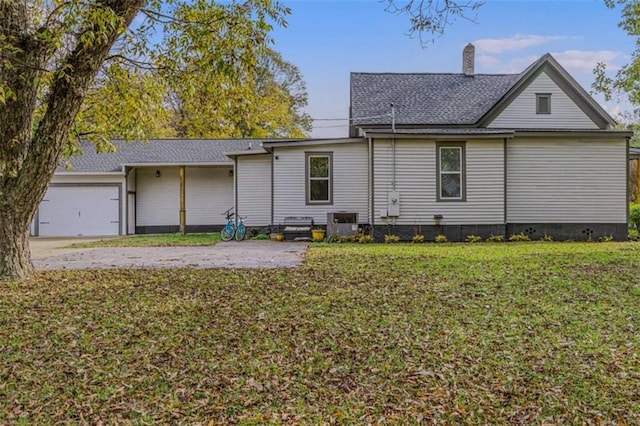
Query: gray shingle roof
x=158 y=151
x=425 y=99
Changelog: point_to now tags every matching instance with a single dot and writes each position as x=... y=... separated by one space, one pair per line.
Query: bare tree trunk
x=15 y=257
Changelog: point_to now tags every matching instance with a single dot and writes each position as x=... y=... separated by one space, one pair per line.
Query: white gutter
x=186 y=164
x=89 y=173
x=313 y=142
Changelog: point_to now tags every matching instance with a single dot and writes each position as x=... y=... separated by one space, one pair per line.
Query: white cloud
x=513 y=65
x=516 y=42
x=575 y=61
x=488 y=61
x=586 y=60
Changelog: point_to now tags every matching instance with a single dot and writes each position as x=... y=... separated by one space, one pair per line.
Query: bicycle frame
x=230 y=229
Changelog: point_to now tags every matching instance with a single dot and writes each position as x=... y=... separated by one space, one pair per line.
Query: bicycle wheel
x=227 y=232
x=240 y=231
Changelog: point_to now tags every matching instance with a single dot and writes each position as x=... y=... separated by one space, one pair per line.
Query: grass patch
x=155 y=240
x=477 y=334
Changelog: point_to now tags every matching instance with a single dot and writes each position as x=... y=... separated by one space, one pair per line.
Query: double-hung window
x=319 y=171
x=450 y=163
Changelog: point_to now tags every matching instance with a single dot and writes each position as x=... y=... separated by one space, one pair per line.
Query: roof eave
x=311 y=142
x=260 y=151
x=179 y=163
x=583 y=133
x=72 y=173
x=441 y=136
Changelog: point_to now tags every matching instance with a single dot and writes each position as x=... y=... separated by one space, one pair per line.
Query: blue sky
x=328 y=39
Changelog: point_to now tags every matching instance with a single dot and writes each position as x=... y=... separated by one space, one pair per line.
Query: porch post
x=183 y=208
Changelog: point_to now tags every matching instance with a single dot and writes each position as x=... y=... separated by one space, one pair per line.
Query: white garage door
x=80 y=210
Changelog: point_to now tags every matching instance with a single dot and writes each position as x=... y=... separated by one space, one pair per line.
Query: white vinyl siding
x=208 y=192
x=566 y=181
x=416 y=183
x=253 y=174
x=521 y=112
x=350 y=180
x=157 y=198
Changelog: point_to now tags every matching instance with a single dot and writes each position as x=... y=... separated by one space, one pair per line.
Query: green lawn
x=159 y=240
x=518 y=333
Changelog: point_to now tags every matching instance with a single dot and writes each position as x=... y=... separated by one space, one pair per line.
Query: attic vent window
x=543 y=103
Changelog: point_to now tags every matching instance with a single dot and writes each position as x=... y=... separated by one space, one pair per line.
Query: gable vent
x=468 y=55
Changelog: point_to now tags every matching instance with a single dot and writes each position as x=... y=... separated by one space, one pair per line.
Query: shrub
x=605 y=238
x=473 y=238
x=546 y=237
x=349 y=239
x=495 y=238
x=519 y=237
x=634 y=216
x=365 y=238
x=441 y=238
x=260 y=237
x=634 y=235
x=390 y=239
x=417 y=239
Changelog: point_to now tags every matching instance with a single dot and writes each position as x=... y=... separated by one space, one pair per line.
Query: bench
x=297 y=227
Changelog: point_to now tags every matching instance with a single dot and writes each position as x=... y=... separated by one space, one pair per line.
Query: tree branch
x=138 y=64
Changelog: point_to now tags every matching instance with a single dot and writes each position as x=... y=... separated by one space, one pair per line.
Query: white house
x=456 y=154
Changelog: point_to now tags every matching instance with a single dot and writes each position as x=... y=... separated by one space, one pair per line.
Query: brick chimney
x=467 y=59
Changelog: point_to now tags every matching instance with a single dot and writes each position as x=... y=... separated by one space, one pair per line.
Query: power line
x=353 y=118
x=330 y=127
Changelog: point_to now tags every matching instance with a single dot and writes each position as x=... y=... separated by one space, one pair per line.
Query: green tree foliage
x=131 y=69
x=72 y=69
x=624 y=83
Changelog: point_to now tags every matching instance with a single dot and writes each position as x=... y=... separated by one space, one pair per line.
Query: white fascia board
x=607 y=134
x=311 y=142
x=89 y=174
x=439 y=136
x=246 y=152
x=226 y=163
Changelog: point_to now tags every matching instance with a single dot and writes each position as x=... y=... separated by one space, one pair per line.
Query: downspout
x=393 y=153
x=504 y=183
x=372 y=214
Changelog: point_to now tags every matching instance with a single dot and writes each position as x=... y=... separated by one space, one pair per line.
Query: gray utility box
x=342 y=224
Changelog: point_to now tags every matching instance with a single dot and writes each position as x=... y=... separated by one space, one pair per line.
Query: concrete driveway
x=52 y=255
x=42 y=247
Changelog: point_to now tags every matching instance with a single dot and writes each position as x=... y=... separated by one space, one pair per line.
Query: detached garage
x=80 y=210
x=137 y=188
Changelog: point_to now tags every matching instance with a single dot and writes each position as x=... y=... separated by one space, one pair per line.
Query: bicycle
x=231 y=229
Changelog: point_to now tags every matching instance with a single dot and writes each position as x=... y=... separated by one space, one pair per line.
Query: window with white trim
x=319 y=178
x=451 y=173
